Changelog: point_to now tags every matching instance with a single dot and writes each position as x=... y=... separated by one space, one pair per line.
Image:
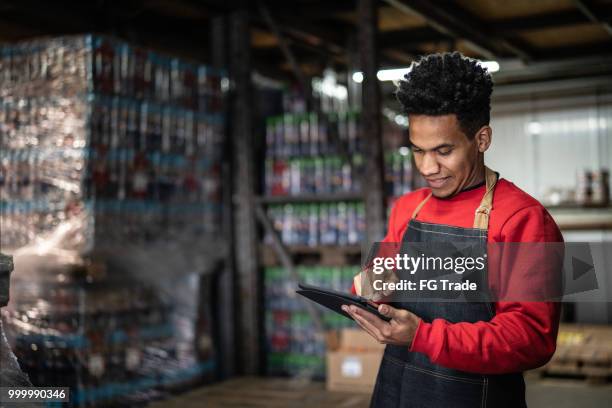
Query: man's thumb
x=387 y=311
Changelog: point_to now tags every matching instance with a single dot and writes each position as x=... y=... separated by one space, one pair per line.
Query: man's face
x=443 y=154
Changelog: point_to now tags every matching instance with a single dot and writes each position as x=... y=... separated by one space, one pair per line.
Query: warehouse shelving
x=303 y=181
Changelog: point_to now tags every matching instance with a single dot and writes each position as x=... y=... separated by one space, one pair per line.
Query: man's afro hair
x=448 y=83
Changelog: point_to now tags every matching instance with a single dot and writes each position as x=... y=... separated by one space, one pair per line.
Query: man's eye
x=416 y=151
x=445 y=152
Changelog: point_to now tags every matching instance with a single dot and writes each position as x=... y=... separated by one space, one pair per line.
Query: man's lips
x=437 y=182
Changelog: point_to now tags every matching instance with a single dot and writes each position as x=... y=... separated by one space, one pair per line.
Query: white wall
x=573 y=137
x=571 y=140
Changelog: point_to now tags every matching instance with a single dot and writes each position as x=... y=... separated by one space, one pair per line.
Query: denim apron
x=410 y=379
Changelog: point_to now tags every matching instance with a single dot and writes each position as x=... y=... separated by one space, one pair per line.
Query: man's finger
x=371 y=318
x=393 y=313
x=369 y=328
x=366 y=328
x=356 y=319
x=373 y=322
x=390 y=311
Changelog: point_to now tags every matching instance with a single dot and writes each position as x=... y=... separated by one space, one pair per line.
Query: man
x=459 y=354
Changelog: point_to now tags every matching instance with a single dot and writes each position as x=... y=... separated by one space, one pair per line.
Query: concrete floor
x=567 y=393
x=257 y=392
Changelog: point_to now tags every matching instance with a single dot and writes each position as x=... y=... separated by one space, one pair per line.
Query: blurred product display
x=593 y=187
x=312 y=175
x=309 y=155
x=309 y=134
x=294 y=347
x=399 y=177
x=109 y=192
x=302 y=156
x=335 y=223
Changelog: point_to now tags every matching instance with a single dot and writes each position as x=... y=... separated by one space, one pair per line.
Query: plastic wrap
x=110 y=203
x=142 y=170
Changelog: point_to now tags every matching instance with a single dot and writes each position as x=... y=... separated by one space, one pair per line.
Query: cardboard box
x=353 y=359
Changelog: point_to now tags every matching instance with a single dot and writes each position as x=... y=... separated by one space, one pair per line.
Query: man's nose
x=429 y=165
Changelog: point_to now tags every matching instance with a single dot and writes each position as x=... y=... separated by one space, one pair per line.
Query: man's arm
x=521 y=335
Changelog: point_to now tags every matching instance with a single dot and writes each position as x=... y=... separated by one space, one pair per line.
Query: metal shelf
x=310 y=198
x=327 y=255
x=305 y=249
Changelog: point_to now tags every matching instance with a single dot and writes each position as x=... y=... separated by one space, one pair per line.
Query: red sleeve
x=521 y=335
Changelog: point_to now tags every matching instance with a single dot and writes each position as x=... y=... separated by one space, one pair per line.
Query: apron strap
x=421 y=204
x=481 y=215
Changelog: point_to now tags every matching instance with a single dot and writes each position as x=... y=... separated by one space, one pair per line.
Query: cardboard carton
x=353 y=359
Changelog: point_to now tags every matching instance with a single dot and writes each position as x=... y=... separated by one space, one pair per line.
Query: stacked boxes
x=353 y=360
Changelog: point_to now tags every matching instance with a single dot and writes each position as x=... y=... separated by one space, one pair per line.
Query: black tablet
x=334 y=300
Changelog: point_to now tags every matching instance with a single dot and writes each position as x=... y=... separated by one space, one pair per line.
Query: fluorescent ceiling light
x=491 y=66
x=399 y=73
x=401 y=120
x=392 y=74
x=534 y=127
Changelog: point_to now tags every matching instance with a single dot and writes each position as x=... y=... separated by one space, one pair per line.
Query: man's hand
x=399 y=331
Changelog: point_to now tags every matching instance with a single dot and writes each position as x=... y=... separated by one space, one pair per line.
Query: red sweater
x=521 y=335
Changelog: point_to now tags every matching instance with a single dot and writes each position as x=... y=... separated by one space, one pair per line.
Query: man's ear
x=483 y=138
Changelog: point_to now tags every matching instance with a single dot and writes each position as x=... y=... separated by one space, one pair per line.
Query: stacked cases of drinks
x=174 y=165
x=306 y=153
x=73 y=65
x=298 y=163
x=332 y=174
x=42 y=164
x=335 y=223
x=100 y=164
x=312 y=175
x=308 y=134
x=398 y=172
x=294 y=347
x=136 y=154
x=104 y=340
x=154 y=165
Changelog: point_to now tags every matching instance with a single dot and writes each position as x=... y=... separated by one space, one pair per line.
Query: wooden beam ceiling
x=319 y=30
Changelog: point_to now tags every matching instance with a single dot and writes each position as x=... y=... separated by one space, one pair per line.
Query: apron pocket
x=423 y=388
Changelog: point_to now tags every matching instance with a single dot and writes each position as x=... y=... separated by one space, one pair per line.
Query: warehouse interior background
x=171 y=169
